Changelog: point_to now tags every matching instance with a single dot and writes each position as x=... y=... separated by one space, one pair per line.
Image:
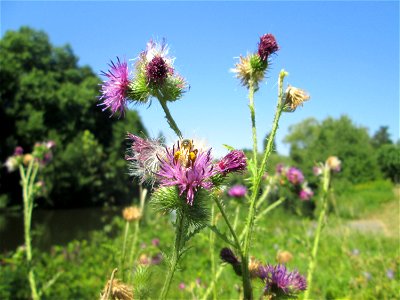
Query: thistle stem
x=244 y=260
x=121 y=265
x=324 y=200
x=253 y=121
x=179 y=235
x=28 y=180
x=212 y=249
x=170 y=120
x=259 y=173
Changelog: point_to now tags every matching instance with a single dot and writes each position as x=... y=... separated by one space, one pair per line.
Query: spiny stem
x=260 y=171
x=244 y=260
x=179 y=235
x=253 y=121
x=170 y=120
x=28 y=180
x=212 y=249
x=324 y=200
x=121 y=264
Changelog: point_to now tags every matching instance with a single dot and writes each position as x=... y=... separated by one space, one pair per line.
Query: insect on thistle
x=186 y=154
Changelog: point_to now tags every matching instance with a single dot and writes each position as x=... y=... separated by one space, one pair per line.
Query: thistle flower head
x=306 y=193
x=295 y=176
x=11 y=164
x=115 y=88
x=267 y=46
x=284 y=257
x=157 y=70
x=234 y=161
x=18 y=151
x=280 y=283
x=143 y=158
x=294 y=97
x=229 y=257
x=131 y=213
x=334 y=164
x=187 y=168
x=237 y=191
x=250 y=70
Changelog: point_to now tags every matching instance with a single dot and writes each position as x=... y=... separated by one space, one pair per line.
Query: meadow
x=354 y=262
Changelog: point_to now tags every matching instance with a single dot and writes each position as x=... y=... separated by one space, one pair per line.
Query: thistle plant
x=185 y=177
x=332 y=165
x=29 y=166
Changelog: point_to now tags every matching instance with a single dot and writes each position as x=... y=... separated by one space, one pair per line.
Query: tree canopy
x=312 y=141
x=46 y=95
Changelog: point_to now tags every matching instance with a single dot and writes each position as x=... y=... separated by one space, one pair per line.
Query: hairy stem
x=179 y=236
x=253 y=121
x=259 y=173
x=212 y=249
x=170 y=120
x=321 y=218
x=28 y=180
x=245 y=268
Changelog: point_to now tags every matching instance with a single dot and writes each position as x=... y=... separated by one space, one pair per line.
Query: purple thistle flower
x=234 y=161
x=267 y=46
x=306 y=193
x=182 y=286
x=390 y=273
x=279 y=168
x=229 y=257
x=157 y=70
x=155 y=242
x=237 y=191
x=295 y=176
x=143 y=157
x=114 y=88
x=18 y=151
x=280 y=282
x=188 y=174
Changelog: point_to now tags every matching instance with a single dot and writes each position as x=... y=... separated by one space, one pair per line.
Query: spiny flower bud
x=267 y=46
x=131 y=213
x=294 y=98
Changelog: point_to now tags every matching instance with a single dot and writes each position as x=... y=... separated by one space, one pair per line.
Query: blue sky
x=345 y=54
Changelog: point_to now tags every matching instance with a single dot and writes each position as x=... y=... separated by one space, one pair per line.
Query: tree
x=312 y=141
x=389 y=161
x=381 y=137
x=45 y=95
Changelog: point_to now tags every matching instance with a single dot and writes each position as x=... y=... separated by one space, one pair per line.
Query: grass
x=352 y=264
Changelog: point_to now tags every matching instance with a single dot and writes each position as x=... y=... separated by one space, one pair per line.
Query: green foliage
x=359 y=199
x=359 y=272
x=45 y=95
x=312 y=141
x=381 y=137
x=389 y=161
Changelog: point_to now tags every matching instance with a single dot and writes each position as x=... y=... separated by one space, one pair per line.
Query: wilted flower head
x=333 y=163
x=306 y=193
x=237 y=191
x=114 y=89
x=284 y=257
x=267 y=46
x=234 y=161
x=11 y=164
x=119 y=290
x=131 y=213
x=187 y=168
x=143 y=157
x=254 y=267
x=280 y=283
x=294 y=97
x=250 y=70
x=295 y=176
